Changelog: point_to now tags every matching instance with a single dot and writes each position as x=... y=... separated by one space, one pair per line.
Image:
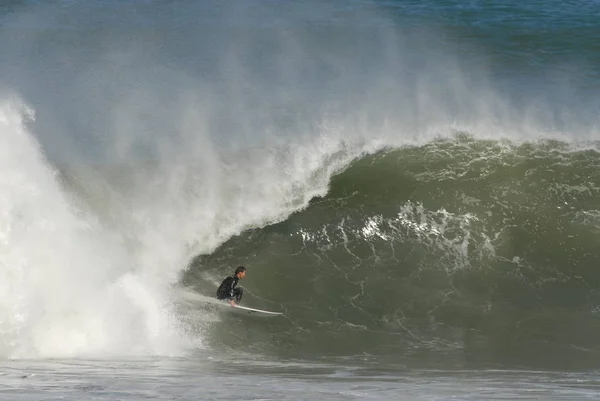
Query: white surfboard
x=195 y=298
x=252 y=311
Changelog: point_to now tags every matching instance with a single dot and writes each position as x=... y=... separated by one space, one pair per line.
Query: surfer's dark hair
x=239 y=270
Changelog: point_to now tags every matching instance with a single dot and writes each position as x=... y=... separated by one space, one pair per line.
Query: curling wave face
x=481 y=249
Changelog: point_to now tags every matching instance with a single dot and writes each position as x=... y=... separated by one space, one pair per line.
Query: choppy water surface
x=185 y=379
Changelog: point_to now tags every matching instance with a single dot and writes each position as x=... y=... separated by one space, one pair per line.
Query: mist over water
x=140 y=135
x=68 y=285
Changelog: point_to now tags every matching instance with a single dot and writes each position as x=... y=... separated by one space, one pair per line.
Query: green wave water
x=485 y=251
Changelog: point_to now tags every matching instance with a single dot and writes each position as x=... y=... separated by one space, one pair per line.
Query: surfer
x=229 y=289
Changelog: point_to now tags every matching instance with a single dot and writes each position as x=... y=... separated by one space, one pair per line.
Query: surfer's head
x=240 y=272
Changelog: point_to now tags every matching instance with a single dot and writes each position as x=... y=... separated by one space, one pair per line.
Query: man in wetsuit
x=229 y=289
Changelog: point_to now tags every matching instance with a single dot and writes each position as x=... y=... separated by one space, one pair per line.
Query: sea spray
x=67 y=287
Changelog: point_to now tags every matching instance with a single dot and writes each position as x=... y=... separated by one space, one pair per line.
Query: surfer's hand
x=232 y=302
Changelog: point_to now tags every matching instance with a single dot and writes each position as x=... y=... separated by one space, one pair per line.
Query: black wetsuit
x=229 y=289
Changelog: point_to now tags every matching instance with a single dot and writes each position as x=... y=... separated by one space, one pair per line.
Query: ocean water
x=415 y=185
